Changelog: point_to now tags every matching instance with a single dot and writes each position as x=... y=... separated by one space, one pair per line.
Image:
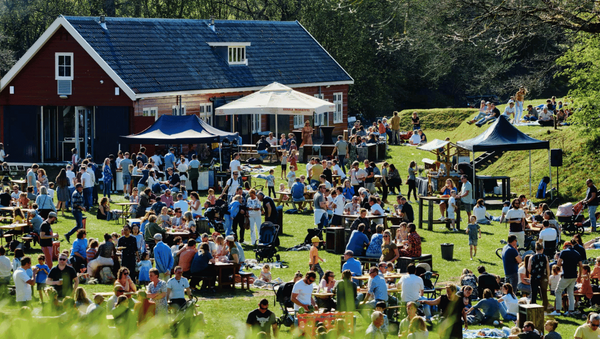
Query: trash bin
x=447 y=251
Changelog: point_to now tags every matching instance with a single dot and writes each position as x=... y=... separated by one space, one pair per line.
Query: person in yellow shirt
x=313 y=261
x=395 y=126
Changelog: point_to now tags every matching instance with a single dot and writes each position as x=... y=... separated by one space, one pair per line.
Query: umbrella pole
x=276 y=130
x=529 y=173
x=474 y=180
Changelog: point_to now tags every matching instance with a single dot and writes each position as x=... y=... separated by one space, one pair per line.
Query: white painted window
x=150 y=112
x=64 y=66
x=338 y=113
x=237 y=55
x=256 y=127
x=298 y=121
x=321 y=119
x=206 y=113
x=175 y=110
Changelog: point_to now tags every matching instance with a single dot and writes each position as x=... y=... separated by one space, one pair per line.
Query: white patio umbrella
x=276 y=99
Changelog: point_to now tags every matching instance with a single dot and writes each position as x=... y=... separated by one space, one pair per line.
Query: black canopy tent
x=175 y=129
x=503 y=136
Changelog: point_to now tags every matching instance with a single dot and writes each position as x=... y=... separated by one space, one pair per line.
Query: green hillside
x=436 y=118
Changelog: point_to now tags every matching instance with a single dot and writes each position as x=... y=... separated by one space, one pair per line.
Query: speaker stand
x=557 y=199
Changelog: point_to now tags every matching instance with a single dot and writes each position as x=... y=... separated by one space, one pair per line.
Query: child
x=30 y=194
x=164 y=219
x=293 y=158
x=291 y=176
x=385 y=328
x=284 y=157
x=313 y=261
x=550 y=327
x=505 y=208
x=23 y=201
x=91 y=252
x=211 y=197
x=284 y=197
x=144 y=267
x=554 y=278
x=451 y=208
x=586 y=285
x=41 y=270
x=472 y=230
x=596 y=271
x=270 y=181
x=18 y=216
x=265 y=275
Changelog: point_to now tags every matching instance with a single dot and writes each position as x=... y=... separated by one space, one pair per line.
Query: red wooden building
x=86 y=81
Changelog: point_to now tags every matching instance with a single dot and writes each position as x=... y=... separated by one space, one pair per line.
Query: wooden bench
x=364 y=261
x=403 y=262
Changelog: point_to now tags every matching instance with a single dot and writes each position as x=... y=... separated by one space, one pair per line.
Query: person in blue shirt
x=41 y=271
x=170 y=159
x=511 y=260
x=233 y=209
x=270 y=181
x=36 y=221
x=377 y=290
x=358 y=240
x=298 y=193
x=486 y=311
x=78 y=252
x=162 y=257
x=352 y=264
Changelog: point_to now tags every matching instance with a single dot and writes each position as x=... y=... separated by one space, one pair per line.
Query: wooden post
x=421 y=213
x=430 y=215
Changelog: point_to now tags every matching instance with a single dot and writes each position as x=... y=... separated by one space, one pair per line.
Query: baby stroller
x=571 y=218
x=215 y=219
x=283 y=296
x=268 y=242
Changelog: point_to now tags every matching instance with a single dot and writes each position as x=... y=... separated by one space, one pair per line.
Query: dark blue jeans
x=107 y=187
x=342 y=162
x=79 y=223
x=87 y=197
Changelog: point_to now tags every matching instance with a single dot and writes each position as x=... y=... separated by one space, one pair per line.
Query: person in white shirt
x=415 y=139
x=5 y=270
x=88 y=186
x=234 y=165
x=505 y=208
x=516 y=218
x=272 y=140
x=548 y=235
x=233 y=183
x=338 y=205
x=376 y=209
x=510 y=111
x=480 y=212
x=412 y=285
x=23 y=281
x=180 y=203
x=157 y=159
x=337 y=170
x=545 y=118
x=302 y=292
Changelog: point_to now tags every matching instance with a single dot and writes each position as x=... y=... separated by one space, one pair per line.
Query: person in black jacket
x=486 y=280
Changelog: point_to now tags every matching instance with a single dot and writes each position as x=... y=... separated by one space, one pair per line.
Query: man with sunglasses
x=302 y=292
x=262 y=320
x=112 y=301
x=589 y=329
x=63 y=278
x=128 y=246
x=529 y=332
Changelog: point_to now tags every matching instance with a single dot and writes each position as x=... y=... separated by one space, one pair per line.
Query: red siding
x=36 y=84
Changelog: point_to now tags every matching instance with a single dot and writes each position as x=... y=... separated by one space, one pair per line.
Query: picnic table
x=11 y=227
x=430 y=206
x=322 y=295
x=124 y=210
x=22 y=184
x=308 y=195
x=369 y=216
x=222 y=269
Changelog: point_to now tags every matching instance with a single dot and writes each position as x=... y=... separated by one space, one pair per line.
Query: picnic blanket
x=256 y=169
x=487 y=333
x=253 y=264
x=531 y=123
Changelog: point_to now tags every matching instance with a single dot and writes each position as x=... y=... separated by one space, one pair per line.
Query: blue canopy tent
x=503 y=136
x=177 y=129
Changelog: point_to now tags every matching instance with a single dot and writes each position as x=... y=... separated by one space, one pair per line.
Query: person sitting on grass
x=486 y=311
x=546 y=118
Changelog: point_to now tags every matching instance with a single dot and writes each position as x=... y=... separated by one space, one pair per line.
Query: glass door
x=50 y=131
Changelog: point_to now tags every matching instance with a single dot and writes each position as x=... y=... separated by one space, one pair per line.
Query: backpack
x=106 y=275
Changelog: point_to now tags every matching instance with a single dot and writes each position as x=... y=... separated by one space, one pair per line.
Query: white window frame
x=150 y=112
x=175 y=110
x=56 y=66
x=206 y=111
x=321 y=119
x=236 y=55
x=338 y=113
x=256 y=123
x=298 y=121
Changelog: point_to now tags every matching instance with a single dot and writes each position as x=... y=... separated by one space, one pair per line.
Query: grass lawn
x=226 y=312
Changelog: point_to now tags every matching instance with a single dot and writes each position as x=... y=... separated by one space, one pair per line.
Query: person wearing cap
x=262 y=320
x=77 y=202
x=510 y=111
x=234 y=254
x=47 y=237
x=313 y=259
x=570 y=261
x=162 y=257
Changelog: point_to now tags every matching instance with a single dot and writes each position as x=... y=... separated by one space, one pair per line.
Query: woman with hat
x=307 y=132
x=234 y=254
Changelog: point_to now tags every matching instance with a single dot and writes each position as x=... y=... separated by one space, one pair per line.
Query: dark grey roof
x=167 y=55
